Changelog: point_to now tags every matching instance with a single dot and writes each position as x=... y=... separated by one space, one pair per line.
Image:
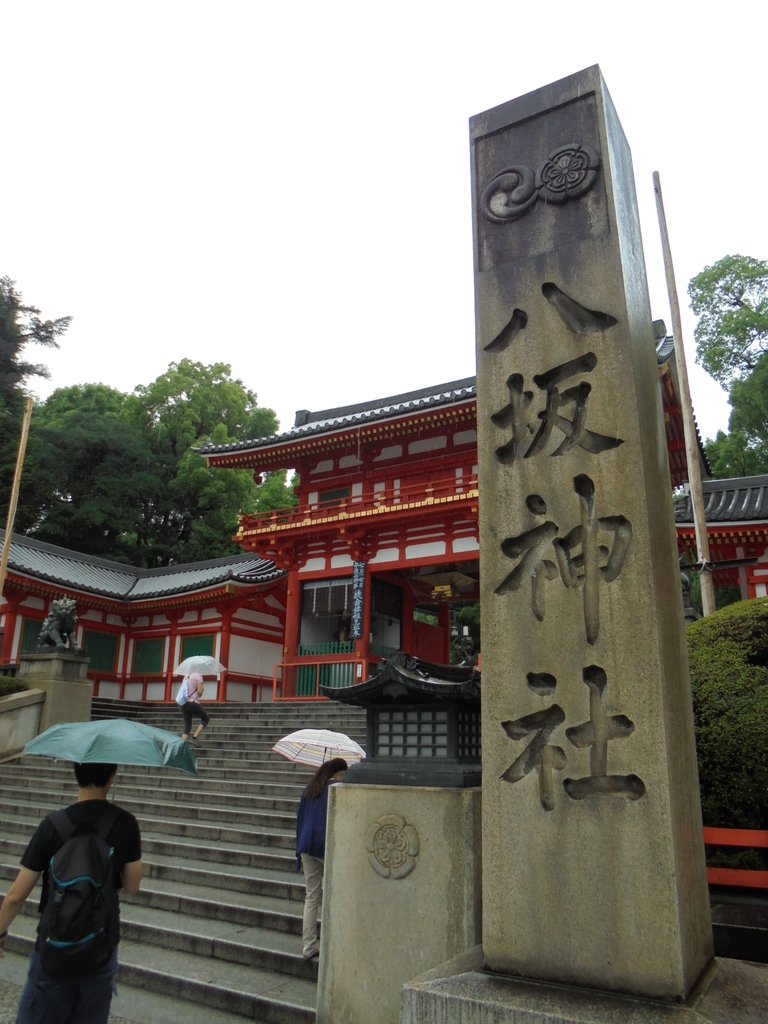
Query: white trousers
x=313 y=876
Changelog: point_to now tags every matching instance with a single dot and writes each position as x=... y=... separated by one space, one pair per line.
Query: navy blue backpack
x=80 y=923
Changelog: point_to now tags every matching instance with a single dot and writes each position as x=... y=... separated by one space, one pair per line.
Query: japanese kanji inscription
x=589 y=772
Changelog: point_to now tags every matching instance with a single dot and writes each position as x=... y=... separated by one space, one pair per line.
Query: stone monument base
x=401 y=894
x=458 y=992
x=63 y=678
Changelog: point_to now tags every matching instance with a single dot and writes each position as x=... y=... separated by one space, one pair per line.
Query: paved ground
x=9 y=1000
x=139 y=1007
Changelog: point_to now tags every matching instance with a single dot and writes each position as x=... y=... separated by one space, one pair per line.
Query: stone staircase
x=218 y=920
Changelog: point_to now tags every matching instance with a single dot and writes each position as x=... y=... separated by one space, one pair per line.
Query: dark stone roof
x=326 y=420
x=38 y=560
x=402 y=679
x=738 y=500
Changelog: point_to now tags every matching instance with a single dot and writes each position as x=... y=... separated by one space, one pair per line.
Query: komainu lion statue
x=59 y=626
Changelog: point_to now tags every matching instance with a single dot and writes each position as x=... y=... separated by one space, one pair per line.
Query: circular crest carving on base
x=393 y=846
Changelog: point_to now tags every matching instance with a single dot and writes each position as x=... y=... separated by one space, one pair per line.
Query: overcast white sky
x=285 y=186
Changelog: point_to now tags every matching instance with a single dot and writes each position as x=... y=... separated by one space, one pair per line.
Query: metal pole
x=15 y=492
x=689 y=428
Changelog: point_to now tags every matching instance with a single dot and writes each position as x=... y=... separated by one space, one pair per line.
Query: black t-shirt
x=124 y=836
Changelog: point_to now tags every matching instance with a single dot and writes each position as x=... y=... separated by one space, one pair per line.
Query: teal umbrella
x=113 y=741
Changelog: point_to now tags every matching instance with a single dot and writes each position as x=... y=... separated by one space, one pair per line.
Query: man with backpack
x=85 y=854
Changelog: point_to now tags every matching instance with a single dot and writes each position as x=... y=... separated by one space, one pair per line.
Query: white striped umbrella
x=314 y=747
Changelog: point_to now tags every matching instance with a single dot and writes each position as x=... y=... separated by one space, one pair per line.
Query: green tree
x=730 y=298
x=189 y=512
x=119 y=475
x=20 y=325
x=736 y=454
x=85 y=465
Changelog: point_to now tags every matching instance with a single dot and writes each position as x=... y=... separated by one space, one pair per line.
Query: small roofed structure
x=737 y=527
x=423 y=723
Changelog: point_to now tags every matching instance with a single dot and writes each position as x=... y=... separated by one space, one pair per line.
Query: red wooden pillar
x=11 y=612
x=172 y=638
x=291 y=635
x=226 y=612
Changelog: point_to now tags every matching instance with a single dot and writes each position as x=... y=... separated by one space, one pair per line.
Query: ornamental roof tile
x=402 y=678
x=310 y=423
x=36 y=559
x=737 y=500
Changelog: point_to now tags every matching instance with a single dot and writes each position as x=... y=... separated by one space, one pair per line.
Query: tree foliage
x=119 y=476
x=20 y=325
x=728 y=656
x=730 y=298
x=735 y=454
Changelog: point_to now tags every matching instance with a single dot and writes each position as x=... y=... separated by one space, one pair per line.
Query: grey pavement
x=138 y=1007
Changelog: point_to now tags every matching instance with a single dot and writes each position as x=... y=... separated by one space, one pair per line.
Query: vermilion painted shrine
x=386 y=524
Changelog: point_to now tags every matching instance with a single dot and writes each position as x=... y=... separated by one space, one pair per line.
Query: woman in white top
x=192 y=706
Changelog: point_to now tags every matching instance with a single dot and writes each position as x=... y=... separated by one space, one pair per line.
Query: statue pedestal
x=63 y=678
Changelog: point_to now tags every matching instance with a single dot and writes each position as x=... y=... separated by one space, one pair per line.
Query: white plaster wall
x=253 y=657
x=427 y=444
x=425 y=550
x=109 y=689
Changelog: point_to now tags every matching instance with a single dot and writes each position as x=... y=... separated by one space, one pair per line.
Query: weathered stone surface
x=731 y=992
x=19 y=720
x=401 y=890
x=63 y=678
x=593 y=862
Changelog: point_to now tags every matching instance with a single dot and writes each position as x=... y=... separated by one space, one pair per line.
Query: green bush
x=9 y=685
x=728 y=654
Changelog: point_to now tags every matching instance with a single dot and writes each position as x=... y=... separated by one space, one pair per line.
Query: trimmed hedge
x=9 y=685
x=728 y=655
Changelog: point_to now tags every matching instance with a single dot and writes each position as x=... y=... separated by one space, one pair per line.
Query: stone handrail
x=20 y=715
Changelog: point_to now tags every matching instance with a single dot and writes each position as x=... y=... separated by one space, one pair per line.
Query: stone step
x=206 y=789
x=248 y=855
x=201 y=969
x=254 y=909
x=25 y=820
x=13 y=800
x=218 y=920
x=219 y=767
x=288 y=787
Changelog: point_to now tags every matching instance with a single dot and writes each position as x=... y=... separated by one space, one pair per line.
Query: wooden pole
x=15 y=493
x=689 y=428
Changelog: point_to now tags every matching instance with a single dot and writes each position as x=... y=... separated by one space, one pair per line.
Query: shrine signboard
x=593 y=862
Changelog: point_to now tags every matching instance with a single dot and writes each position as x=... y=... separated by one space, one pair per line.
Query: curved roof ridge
x=101 y=576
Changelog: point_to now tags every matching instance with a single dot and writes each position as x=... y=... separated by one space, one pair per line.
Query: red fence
x=742 y=838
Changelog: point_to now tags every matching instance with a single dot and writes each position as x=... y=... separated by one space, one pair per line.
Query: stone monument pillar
x=593 y=859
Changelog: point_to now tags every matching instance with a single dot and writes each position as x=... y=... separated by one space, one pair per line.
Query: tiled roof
x=739 y=500
x=29 y=557
x=404 y=678
x=326 y=420
x=309 y=423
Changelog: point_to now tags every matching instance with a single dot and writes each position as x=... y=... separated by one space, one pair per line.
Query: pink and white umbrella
x=315 y=746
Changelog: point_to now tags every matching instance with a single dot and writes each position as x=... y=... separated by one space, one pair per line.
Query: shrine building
x=377 y=556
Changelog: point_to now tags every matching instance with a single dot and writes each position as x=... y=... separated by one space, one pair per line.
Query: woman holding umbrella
x=310 y=845
x=192 y=706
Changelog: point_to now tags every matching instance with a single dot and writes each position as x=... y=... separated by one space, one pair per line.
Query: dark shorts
x=193 y=708
x=81 y=1000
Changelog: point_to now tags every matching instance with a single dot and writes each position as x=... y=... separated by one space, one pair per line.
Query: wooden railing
x=301 y=680
x=406 y=494
x=741 y=838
